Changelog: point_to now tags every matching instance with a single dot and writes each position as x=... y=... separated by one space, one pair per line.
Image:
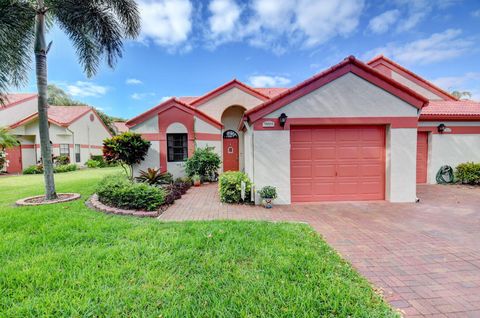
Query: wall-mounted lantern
x=441 y=128
x=282 y=119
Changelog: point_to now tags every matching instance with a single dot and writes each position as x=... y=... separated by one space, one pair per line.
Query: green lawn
x=68 y=261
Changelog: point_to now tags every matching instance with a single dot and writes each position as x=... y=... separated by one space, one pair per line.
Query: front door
x=14 y=157
x=422 y=156
x=230 y=151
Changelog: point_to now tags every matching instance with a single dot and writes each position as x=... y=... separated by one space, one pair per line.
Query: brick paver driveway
x=425 y=256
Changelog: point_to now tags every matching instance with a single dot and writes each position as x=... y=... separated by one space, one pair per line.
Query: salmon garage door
x=337 y=163
x=422 y=157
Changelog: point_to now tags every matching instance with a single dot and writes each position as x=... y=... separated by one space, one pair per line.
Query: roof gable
x=172 y=102
x=226 y=87
x=16 y=99
x=384 y=65
x=350 y=64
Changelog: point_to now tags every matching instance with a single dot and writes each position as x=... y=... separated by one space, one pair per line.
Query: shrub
x=91 y=163
x=204 y=162
x=268 y=192
x=230 y=187
x=127 y=149
x=3 y=160
x=187 y=180
x=65 y=168
x=468 y=173
x=154 y=177
x=62 y=160
x=120 y=192
x=36 y=169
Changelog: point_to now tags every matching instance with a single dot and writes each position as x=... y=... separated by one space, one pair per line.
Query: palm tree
x=97 y=29
x=6 y=139
x=462 y=94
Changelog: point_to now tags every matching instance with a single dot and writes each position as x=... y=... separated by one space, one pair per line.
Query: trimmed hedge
x=119 y=192
x=468 y=173
x=65 y=168
x=230 y=187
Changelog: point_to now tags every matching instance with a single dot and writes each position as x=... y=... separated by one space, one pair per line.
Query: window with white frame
x=64 y=150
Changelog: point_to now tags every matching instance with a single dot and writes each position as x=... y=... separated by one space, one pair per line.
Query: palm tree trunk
x=41 y=72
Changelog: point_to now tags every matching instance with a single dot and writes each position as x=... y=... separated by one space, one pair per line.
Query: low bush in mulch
x=120 y=192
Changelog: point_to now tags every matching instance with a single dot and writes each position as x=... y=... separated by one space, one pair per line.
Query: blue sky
x=190 y=47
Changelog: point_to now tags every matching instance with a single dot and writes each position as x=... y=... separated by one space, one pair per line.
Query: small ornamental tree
x=127 y=149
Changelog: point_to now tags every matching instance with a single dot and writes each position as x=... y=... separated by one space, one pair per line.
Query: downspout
x=252 y=156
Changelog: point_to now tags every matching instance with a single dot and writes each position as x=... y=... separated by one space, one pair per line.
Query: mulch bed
x=95 y=204
x=40 y=199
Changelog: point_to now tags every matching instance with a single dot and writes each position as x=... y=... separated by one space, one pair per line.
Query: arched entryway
x=232 y=138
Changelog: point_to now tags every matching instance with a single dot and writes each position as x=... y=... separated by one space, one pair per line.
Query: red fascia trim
x=28 y=146
x=428 y=117
x=19 y=102
x=351 y=64
x=454 y=130
x=78 y=117
x=394 y=122
x=382 y=60
x=151 y=136
x=225 y=87
x=208 y=136
x=28 y=119
x=167 y=105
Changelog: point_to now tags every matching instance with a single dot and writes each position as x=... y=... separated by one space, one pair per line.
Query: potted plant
x=268 y=194
x=196 y=180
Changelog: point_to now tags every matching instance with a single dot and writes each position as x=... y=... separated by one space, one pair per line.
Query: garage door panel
x=346 y=163
x=323 y=153
x=301 y=153
x=323 y=170
x=348 y=152
x=372 y=152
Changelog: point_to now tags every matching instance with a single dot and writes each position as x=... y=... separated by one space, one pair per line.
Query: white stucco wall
x=202 y=126
x=11 y=115
x=248 y=149
x=152 y=160
x=347 y=96
x=272 y=162
x=234 y=96
x=401 y=165
x=451 y=149
x=148 y=126
x=414 y=86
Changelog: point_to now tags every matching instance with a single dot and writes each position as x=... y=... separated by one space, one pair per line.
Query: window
x=177 y=147
x=77 y=153
x=64 y=150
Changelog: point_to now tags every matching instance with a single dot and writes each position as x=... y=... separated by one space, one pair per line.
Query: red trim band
x=454 y=130
x=208 y=136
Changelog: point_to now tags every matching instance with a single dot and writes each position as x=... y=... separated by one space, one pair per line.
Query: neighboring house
x=119 y=127
x=349 y=133
x=76 y=131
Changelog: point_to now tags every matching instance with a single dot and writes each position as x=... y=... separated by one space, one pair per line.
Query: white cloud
x=278 y=25
x=140 y=96
x=382 y=22
x=167 y=23
x=224 y=17
x=323 y=20
x=476 y=13
x=133 y=81
x=268 y=81
x=438 y=47
x=86 y=89
x=456 y=82
x=165 y=98
x=418 y=10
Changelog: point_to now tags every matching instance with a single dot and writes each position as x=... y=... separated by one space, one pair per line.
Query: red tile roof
x=271 y=91
x=59 y=115
x=443 y=110
x=121 y=126
x=15 y=99
x=378 y=60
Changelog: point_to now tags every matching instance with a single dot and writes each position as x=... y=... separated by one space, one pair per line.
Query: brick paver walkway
x=425 y=256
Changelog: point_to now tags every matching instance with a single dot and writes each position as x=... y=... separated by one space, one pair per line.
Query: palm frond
x=97 y=28
x=17 y=20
